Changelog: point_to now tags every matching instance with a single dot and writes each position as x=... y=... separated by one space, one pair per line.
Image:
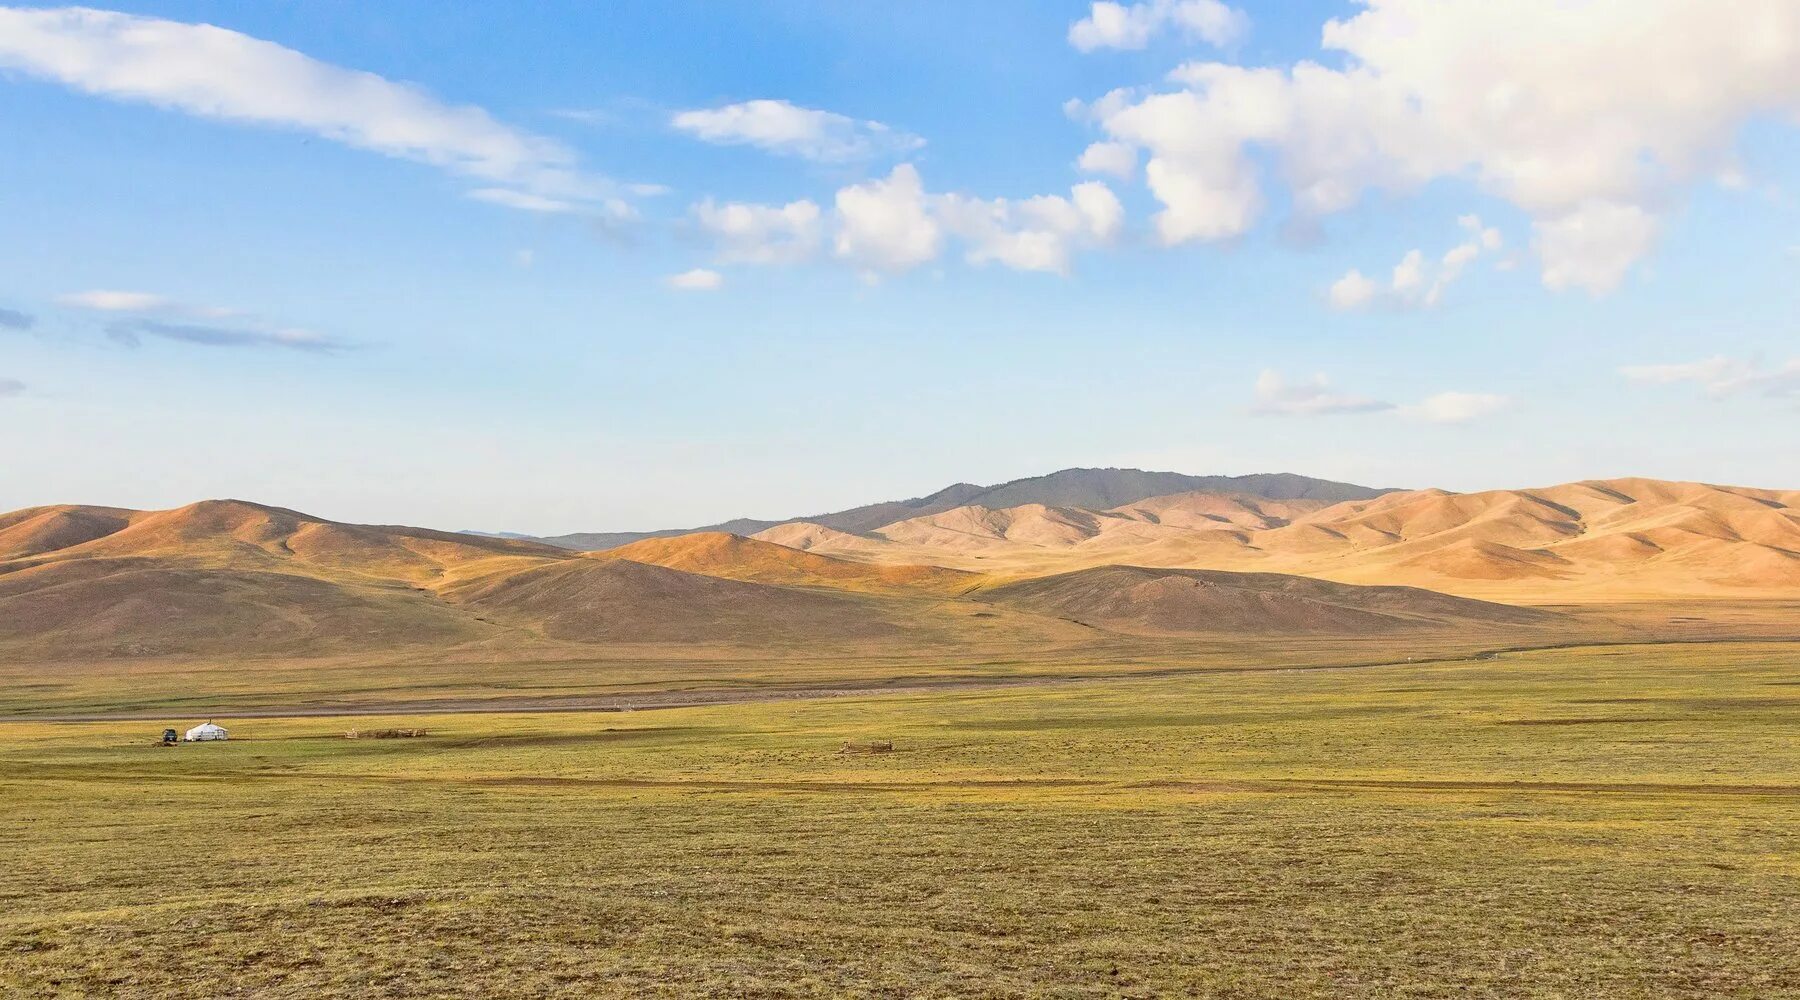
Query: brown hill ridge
x=1600 y=540
x=232 y=577
x=1181 y=601
x=716 y=553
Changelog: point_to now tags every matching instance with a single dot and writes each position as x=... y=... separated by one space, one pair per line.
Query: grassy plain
x=616 y=674
x=1599 y=822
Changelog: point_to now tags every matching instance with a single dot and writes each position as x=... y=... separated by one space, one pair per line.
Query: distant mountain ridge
x=1595 y=539
x=1087 y=488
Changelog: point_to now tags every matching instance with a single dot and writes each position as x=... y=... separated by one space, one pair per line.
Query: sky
x=565 y=266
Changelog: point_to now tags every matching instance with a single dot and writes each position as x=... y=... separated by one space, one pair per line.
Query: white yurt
x=206 y=731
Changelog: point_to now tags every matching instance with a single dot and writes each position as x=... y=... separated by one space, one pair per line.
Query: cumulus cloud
x=1721 y=376
x=1276 y=396
x=1455 y=407
x=217 y=73
x=1593 y=246
x=761 y=234
x=1416 y=282
x=1112 y=25
x=1590 y=117
x=887 y=225
x=11 y=387
x=1352 y=291
x=790 y=130
x=1115 y=158
x=699 y=279
x=893 y=224
x=12 y=319
x=1036 y=234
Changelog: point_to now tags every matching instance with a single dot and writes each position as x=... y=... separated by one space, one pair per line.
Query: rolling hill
x=715 y=553
x=1087 y=488
x=1599 y=540
x=617 y=600
x=228 y=577
x=1177 y=601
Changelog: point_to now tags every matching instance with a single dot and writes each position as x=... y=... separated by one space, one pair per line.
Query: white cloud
x=1276 y=396
x=216 y=73
x=523 y=201
x=1409 y=274
x=149 y=315
x=1590 y=117
x=1455 y=407
x=11 y=387
x=1112 y=25
x=107 y=300
x=788 y=129
x=698 y=280
x=133 y=332
x=1593 y=246
x=893 y=224
x=1115 y=158
x=1722 y=376
x=115 y=301
x=1416 y=283
x=1315 y=397
x=886 y=225
x=1036 y=234
x=761 y=234
x=1352 y=291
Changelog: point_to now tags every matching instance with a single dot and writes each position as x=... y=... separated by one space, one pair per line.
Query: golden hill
x=1625 y=539
x=243 y=535
x=230 y=577
x=716 y=553
x=1178 y=601
x=617 y=600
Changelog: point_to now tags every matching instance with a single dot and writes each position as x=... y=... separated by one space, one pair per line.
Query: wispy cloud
x=611 y=211
x=787 y=129
x=216 y=73
x=1276 y=396
x=1455 y=407
x=11 y=387
x=1721 y=376
x=133 y=332
x=12 y=319
x=108 y=300
x=1316 y=397
x=161 y=317
x=699 y=279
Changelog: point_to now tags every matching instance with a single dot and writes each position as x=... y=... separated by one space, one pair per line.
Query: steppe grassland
x=1619 y=822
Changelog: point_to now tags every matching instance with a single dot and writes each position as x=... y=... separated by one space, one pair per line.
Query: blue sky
x=398 y=263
